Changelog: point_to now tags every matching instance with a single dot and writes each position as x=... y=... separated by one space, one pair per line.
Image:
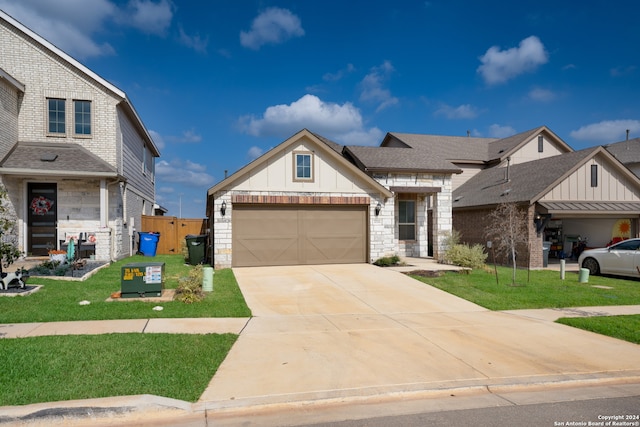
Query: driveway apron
x=354 y=330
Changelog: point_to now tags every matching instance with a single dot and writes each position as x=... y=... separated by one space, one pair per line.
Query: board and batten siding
x=529 y=151
x=613 y=185
x=278 y=175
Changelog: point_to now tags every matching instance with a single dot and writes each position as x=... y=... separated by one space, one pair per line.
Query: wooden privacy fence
x=172 y=231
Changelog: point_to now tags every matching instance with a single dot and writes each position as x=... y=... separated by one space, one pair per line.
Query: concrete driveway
x=344 y=331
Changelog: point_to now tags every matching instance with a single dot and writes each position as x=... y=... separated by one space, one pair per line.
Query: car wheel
x=591 y=265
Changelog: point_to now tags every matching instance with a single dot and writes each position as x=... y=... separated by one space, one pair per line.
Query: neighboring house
x=290 y=205
x=312 y=201
x=627 y=152
x=75 y=156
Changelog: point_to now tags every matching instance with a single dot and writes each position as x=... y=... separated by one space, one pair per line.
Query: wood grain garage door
x=292 y=235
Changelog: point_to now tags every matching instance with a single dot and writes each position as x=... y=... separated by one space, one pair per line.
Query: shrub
x=189 y=288
x=466 y=256
x=387 y=261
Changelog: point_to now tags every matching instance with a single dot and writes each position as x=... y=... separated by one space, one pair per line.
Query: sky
x=220 y=82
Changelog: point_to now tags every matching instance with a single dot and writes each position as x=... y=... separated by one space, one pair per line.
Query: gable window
x=407 y=219
x=303 y=166
x=540 y=144
x=56 y=116
x=82 y=117
x=594 y=175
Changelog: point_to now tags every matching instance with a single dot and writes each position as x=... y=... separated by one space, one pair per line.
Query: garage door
x=292 y=235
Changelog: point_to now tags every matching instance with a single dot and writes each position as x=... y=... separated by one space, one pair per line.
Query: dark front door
x=42 y=206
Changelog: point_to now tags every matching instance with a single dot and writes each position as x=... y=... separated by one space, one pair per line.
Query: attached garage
x=299 y=234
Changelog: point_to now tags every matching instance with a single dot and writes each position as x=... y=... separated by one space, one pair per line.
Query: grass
x=540 y=289
x=58 y=300
x=56 y=368
x=623 y=327
x=545 y=289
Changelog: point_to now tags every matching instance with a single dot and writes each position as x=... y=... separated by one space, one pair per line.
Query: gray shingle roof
x=447 y=147
x=56 y=158
x=399 y=159
x=526 y=180
x=626 y=152
x=334 y=145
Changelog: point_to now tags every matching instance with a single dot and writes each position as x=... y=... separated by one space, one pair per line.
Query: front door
x=42 y=218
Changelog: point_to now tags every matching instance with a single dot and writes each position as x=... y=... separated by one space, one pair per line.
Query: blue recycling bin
x=148 y=243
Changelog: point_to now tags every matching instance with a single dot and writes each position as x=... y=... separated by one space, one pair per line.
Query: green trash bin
x=196 y=245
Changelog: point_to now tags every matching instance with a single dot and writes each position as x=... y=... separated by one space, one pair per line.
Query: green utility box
x=141 y=280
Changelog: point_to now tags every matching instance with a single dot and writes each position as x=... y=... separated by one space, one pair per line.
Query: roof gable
x=60 y=55
x=320 y=147
x=531 y=181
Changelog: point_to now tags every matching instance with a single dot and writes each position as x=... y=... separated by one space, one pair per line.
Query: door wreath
x=41 y=205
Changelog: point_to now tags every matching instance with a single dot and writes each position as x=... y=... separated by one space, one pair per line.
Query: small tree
x=9 y=252
x=507 y=229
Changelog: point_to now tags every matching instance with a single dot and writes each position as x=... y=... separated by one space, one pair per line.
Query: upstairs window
x=540 y=144
x=82 y=117
x=303 y=166
x=407 y=220
x=56 y=116
x=594 y=175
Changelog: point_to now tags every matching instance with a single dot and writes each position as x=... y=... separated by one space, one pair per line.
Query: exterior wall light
x=378 y=208
x=223 y=208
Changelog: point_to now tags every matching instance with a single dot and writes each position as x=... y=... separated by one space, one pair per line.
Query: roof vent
x=457 y=199
x=505 y=192
x=48 y=157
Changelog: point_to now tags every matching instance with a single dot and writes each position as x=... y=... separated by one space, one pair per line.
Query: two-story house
x=75 y=157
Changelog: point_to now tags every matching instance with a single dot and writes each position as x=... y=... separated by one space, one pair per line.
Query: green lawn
x=535 y=289
x=545 y=289
x=58 y=300
x=56 y=368
x=624 y=327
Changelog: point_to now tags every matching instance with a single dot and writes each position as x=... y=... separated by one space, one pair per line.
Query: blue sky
x=219 y=83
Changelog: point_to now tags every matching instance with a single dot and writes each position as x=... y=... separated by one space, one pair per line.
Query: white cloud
x=157 y=138
x=72 y=25
x=465 y=111
x=273 y=26
x=497 y=131
x=307 y=112
x=195 y=42
x=183 y=172
x=623 y=71
x=254 y=152
x=333 y=77
x=498 y=66
x=167 y=190
x=371 y=137
x=343 y=123
x=188 y=136
x=606 y=131
x=68 y=24
x=372 y=87
x=541 y=95
x=148 y=16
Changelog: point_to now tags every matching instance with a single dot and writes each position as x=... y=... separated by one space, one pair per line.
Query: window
x=144 y=159
x=594 y=175
x=407 y=220
x=82 y=117
x=540 y=144
x=303 y=166
x=56 y=118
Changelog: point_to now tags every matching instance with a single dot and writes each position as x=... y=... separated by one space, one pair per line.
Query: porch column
x=104 y=204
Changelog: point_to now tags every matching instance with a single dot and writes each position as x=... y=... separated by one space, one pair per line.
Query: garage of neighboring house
x=299 y=234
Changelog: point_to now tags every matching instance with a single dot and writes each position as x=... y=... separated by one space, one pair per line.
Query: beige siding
x=613 y=185
x=468 y=172
x=134 y=151
x=278 y=174
x=529 y=151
